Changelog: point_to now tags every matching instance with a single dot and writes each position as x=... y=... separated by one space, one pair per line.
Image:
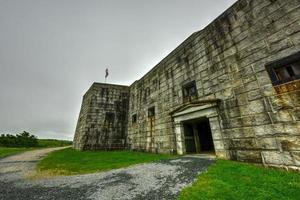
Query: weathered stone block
x=267 y=143
x=281 y=116
x=296 y=156
x=263 y=78
x=268 y=90
x=256 y=106
x=242 y=144
x=249 y=156
x=289 y=143
x=235 y=133
x=295 y=98
x=255 y=94
x=219 y=145
x=277 y=158
x=234 y=112
x=261 y=119
x=281 y=102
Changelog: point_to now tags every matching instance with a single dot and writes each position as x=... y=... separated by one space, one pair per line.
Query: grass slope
x=42 y=143
x=232 y=180
x=7 y=151
x=69 y=161
x=53 y=143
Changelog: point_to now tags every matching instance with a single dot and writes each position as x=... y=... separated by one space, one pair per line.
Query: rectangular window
x=102 y=92
x=189 y=91
x=151 y=112
x=134 y=119
x=285 y=70
x=109 y=117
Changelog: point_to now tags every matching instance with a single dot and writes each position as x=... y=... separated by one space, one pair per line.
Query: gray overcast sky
x=51 y=52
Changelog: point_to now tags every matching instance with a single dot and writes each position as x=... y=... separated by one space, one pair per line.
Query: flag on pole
x=106 y=73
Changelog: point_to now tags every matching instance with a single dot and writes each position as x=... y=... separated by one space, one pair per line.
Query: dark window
x=167 y=74
x=178 y=59
x=186 y=61
x=285 y=70
x=288 y=72
x=134 y=118
x=189 y=91
x=124 y=95
x=110 y=117
x=151 y=112
x=102 y=92
x=154 y=83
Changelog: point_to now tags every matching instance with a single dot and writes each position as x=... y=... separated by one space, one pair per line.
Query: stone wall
x=102 y=122
x=251 y=119
x=227 y=60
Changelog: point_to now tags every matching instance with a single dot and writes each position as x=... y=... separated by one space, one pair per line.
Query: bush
x=20 y=140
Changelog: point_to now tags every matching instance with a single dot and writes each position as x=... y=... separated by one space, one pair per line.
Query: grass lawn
x=6 y=151
x=53 y=143
x=69 y=161
x=233 y=180
x=42 y=143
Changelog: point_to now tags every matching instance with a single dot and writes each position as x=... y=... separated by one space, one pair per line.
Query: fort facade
x=232 y=88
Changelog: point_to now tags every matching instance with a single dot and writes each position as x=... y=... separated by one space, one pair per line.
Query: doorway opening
x=198 y=136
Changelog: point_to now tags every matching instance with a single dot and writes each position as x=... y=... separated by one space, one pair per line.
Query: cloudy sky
x=51 y=51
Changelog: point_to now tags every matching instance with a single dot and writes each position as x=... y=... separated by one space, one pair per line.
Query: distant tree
x=26 y=140
x=23 y=139
x=8 y=140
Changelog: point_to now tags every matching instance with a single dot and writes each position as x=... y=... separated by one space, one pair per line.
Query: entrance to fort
x=198 y=136
x=197 y=129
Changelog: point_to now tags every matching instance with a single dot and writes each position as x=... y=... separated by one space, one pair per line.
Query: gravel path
x=158 y=180
x=21 y=165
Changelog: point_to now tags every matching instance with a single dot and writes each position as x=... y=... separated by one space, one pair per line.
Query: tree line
x=23 y=139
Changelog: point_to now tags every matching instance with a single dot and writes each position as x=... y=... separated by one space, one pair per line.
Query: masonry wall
x=227 y=60
x=102 y=122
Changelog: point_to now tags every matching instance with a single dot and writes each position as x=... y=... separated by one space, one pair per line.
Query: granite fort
x=232 y=88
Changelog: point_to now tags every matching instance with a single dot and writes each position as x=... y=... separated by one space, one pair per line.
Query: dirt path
x=158 y=180
x=21 y=165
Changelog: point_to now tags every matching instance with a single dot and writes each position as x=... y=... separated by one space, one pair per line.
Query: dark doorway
x=198 y=137
x=189 y=138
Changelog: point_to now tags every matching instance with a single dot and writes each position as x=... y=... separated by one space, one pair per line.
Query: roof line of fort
x=178 y=48
x=108 y=84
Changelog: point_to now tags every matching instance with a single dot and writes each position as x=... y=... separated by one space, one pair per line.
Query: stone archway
x=194 y=111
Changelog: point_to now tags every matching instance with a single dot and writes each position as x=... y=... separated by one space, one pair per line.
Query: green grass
x=233 y=180
x=42 y=143
x=53 y=143
x=7 y=151
x=69 y=161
